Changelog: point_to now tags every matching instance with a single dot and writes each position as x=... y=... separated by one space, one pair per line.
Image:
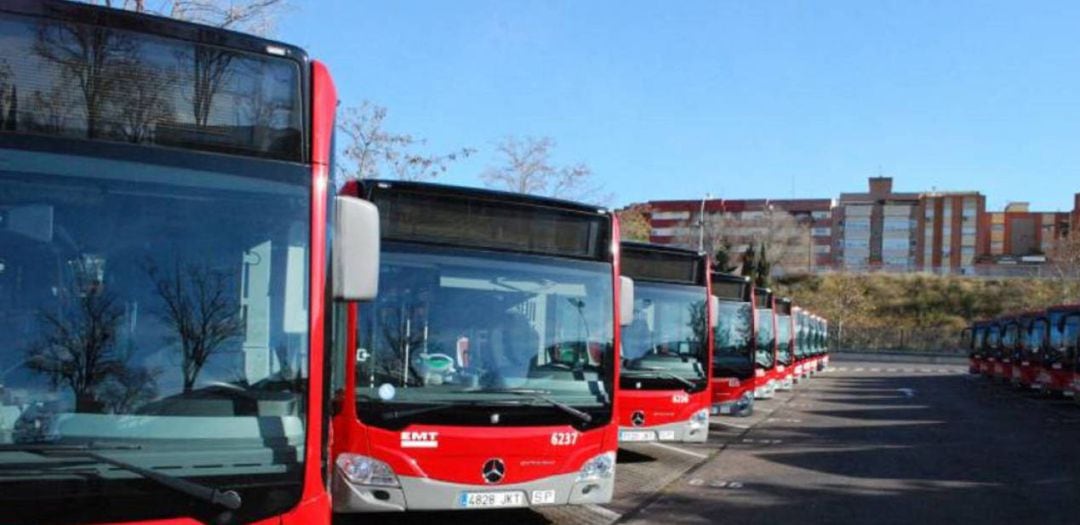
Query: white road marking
x=860 y=369
x=696 y=482
x=606 y=513
x=892 y=370
x=677 y=449
x=909 y=392
x=875 y=369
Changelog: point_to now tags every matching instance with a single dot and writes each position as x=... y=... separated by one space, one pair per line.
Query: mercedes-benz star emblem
x=637 y=418
x=494 y=470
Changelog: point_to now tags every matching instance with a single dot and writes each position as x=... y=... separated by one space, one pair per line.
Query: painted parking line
x=607 y=514
x=680 y=450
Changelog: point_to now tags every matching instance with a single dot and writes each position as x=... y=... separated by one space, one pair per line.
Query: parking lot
x=863 y=442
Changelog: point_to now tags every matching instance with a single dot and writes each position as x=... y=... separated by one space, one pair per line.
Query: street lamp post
x=701 y=224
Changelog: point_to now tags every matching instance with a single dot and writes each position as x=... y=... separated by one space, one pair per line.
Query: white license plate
x=491 y=500
x=667 y=435
x=637 y=435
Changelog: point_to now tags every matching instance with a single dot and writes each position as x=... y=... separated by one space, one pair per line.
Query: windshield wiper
x=539 y=395
x=437 y=406
x=663 y=372
x=227 y=498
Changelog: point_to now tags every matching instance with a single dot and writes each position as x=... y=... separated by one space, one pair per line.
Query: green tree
x=749 y=262
x=722 y=258
x=762 y=268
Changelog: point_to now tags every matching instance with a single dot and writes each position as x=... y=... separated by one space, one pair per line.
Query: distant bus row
x=1035 y=350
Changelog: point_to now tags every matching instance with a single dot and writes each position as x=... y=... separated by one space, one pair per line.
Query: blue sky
x=741 y=99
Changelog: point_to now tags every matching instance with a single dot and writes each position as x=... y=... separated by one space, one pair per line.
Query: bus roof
x=370 y=186
x=153 y=24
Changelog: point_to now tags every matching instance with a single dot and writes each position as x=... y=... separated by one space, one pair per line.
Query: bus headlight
x=700 y=418
x=363 y=470
x=599 y=467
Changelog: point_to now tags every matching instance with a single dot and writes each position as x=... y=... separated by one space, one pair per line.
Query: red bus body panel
x=730 y=389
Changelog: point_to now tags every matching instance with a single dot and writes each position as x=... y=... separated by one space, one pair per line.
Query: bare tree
x=373 y=151
x=78 y=348
x=90 y=56
x=199 y=308
x=526 y=167
x=250 y=16
x=1065 y=267
x=144 y=103
x=786 y=242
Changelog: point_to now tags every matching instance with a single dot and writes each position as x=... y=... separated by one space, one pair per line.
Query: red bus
x=992 y=349
x=666 y=349
x=785 y=344
x=733 y=381
x=485 y=374
x=1057 y=368
x=800 y=343
x=820 y=335
x=974 y=339
x=1033 y=338
x=824 y=345
x=767 y=372
x=1009 y=330
x=164 y=231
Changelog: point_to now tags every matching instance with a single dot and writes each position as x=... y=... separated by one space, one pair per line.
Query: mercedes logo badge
x=637 y=418
x=493 y=471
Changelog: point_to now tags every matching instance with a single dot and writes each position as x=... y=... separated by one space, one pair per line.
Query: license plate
x=667 y=435
x=491 y=500
x=637 y=435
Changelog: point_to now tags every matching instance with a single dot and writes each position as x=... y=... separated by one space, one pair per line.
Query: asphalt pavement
x=861 y=443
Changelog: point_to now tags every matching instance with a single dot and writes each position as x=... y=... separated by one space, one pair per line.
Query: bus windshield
x=978 y=338
x=1072 y=330
x=766 y=339
x=466 y=327
x=783 y=336
x=732 y=336
x=667 y=334
x=156 y=308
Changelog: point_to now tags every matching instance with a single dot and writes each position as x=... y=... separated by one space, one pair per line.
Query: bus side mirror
x=714 y=310
x=626 y=301
x=355 y=251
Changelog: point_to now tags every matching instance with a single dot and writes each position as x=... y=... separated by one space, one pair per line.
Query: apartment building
x=876 y=229
x=948 y=231
x=1019 y=235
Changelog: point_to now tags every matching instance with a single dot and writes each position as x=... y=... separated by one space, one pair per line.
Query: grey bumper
x=680 y=431
x=427 y=494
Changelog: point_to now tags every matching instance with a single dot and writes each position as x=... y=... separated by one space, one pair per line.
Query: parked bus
x=992 y=346
x=1033 y=338
x=163 y=231
x=785 y=343
x=667 y=348
x=733 y=381
x=974 y=340
x=485 y=374
x=766 y=370
x=1058 y=363
x=820 y=336
x=1009 y=328
x=800 y=343
x=824 y=344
